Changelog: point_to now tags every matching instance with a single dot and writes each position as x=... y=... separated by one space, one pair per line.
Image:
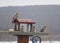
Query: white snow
x=30 y=42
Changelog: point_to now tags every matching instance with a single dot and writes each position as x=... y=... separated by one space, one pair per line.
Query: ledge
x=21 y=33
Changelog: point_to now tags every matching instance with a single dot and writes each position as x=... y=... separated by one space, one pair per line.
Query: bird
x=15 y=17
x=42 y=30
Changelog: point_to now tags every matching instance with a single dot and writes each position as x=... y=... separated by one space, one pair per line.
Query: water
x=30 y=42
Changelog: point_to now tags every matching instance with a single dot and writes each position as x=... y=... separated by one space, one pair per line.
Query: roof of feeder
x=25 y=21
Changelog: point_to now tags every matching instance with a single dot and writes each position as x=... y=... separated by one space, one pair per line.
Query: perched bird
x=22 y=28
x=15 y=17
x=14 y=20
x=33 y=28
x=42 y=30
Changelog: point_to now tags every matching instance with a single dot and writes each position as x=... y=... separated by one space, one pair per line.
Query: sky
x=28 y=2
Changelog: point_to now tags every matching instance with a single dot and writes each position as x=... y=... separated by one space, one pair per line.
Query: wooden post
x=23 y=39
x=18 y=26
x=27 y=27
x=30 y=27
x=15 y=25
